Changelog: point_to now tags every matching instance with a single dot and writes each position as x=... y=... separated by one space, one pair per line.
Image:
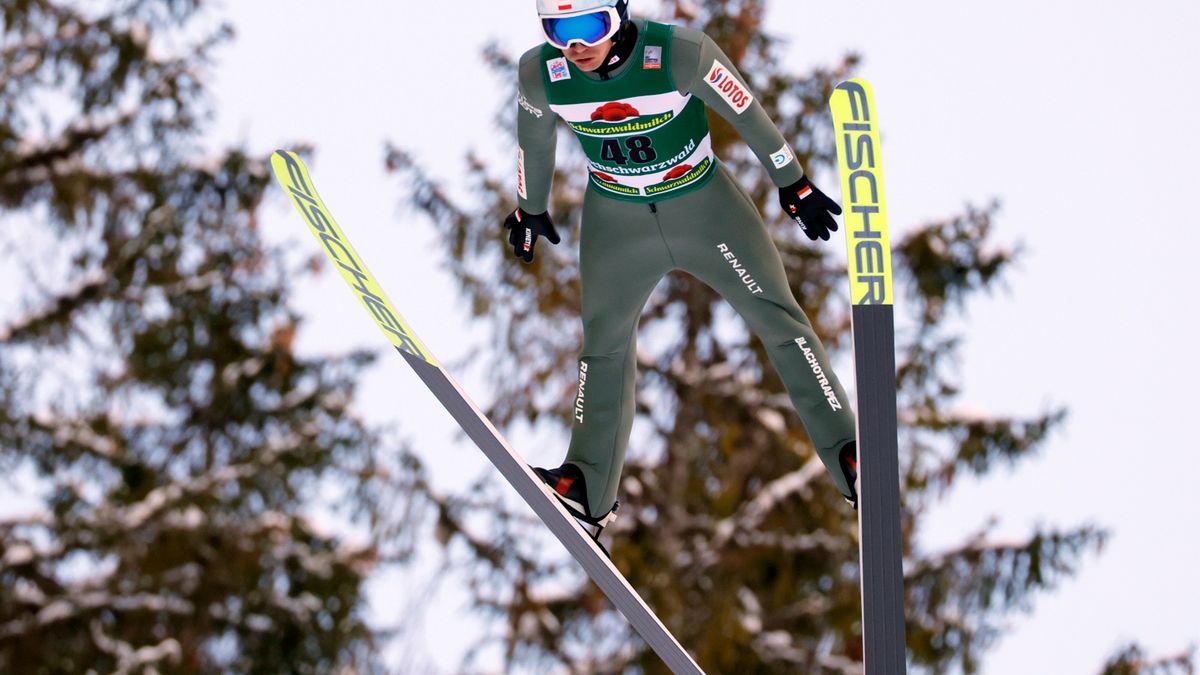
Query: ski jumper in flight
x=636 y=93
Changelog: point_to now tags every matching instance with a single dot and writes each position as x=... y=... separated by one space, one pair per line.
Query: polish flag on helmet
x=548 y=8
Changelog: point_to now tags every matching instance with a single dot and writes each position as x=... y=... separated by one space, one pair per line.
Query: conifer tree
x=172 y=441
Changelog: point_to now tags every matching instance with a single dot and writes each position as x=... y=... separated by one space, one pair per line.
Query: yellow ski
x=294 y=178
x=869 y=259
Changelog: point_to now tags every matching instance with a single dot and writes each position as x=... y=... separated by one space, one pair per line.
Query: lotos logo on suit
x=724 y=83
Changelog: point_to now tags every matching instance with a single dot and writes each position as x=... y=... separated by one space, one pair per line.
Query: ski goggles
x=589 y=29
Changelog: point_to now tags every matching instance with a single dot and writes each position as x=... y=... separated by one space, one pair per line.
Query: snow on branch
x=22 y=553
x=189 y=285
x=37 y=164
x=751 y=514
x=77 y=604
x=301 y=608
x=36 y=519
x=986 y=573
x=67 y=432
x=88 y=286
x=778 y=647
x=130 y=660
x=722 y=379
x=162 y=498
x=789 y=543
x=136 y=515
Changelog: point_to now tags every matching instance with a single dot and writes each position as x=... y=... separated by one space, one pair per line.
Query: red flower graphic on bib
x=614 y=112
x=677 y=172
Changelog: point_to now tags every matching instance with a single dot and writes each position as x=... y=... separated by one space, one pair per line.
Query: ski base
x=869 y=263
x=293 y=176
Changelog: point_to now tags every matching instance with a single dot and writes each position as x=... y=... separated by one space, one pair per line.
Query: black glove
x=524 y=230
x=810 y=208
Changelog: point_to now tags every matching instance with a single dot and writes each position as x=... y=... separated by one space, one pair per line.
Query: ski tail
x=293 y=176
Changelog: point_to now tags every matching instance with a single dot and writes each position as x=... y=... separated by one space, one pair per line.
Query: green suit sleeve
x=536 y=136
x=693 y=55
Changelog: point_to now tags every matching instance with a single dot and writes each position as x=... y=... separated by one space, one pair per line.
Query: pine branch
x=131 y=660
x=1132 y=660
x=745 y=523
x=954 y=598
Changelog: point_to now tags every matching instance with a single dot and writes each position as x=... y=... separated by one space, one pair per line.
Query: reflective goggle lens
x=590 y=29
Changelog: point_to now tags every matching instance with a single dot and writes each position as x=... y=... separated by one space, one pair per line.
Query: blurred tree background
x=729 y=527
x=182 y=454
x=206 y=503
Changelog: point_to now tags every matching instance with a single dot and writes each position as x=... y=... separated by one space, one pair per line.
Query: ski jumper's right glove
x=524 y=230
x=810 y=208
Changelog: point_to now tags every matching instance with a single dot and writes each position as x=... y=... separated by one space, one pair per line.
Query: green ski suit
x=659 y=200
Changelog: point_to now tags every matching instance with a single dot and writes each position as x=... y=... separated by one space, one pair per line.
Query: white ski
x=294 y=178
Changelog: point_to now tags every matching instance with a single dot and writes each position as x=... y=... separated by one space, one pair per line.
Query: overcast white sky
x=1078 y=115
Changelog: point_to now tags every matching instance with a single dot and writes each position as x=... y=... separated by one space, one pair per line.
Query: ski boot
x=566 y=483
x=848 y=460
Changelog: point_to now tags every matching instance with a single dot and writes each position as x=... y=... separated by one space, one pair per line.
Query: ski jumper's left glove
x=810 y=208
x=524 y=230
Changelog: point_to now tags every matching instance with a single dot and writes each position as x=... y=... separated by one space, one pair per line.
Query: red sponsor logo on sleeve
x=724 y=83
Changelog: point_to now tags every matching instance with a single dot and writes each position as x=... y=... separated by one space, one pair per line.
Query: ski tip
x=853 y=83
x=293 y=177
x=283 y=157
x=855 y=94
x=869 y=253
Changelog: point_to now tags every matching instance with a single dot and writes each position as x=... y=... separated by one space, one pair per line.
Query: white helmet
x=548 y=8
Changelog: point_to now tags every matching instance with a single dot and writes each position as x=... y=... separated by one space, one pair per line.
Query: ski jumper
x=660 y=200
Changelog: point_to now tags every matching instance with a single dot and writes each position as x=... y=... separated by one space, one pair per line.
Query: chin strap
x=623 y=44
